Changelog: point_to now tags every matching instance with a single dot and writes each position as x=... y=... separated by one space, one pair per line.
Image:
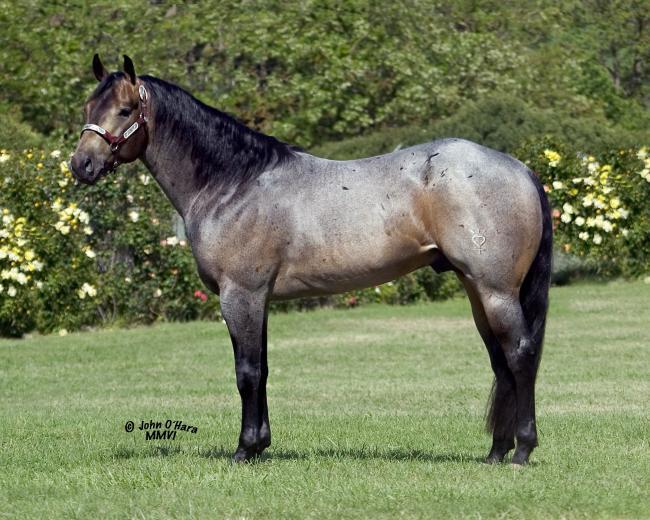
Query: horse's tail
x=533 y=294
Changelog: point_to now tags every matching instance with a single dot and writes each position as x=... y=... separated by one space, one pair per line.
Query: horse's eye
x=125 y=112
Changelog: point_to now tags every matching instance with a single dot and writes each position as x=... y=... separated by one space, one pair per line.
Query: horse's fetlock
x=527 y=434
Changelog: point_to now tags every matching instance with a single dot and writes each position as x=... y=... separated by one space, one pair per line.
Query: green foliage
x=15 y=134
x=501 y=122
x=313 y=72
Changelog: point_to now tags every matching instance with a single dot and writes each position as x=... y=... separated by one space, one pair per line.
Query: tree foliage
x=318 y=71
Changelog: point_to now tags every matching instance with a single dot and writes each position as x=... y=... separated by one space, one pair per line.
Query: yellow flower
x=615 y=202
x=553 y=157
x=63 y=166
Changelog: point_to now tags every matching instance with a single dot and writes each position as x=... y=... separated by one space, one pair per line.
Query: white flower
x=568 y=208
x=127 y=279
x=642 y=153
x=579 y=221
x=576 y=180
x=171 y=241
x=144 y=179
x=566 y=218
x=39 y=285
x=607 y=226
x=64 y=230
x=90 y=253
x=63 y=183
x=129 y=197
x=625 y=232
x=134 y=216
x=55 y=154
x=4 y=157
x=11 y=291
x=158 y=293
x=1 y=288
x=597 y=239
x=557 y=185
x=87 y=290
x=88 y=230
x=63 y=332
x=84 y=218
x=583 y=236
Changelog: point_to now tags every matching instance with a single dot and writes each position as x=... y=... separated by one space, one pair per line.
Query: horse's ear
x=129 y=68
x=98 y=68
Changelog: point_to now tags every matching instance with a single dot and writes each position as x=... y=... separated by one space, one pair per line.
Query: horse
x=267 y=220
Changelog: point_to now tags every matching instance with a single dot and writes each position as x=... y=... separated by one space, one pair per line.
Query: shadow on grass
x=342 y=454
x=352 y=453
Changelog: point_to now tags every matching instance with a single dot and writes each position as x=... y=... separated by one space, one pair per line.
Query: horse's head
x=116 y=119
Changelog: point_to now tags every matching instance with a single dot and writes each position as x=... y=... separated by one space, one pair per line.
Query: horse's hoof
x=493 y=459
x=520 y=458
x=243 y=455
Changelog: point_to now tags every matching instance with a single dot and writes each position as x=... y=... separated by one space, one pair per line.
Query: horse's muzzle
x=85 y=170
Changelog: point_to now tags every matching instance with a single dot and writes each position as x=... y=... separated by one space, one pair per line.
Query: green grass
x=376 y=412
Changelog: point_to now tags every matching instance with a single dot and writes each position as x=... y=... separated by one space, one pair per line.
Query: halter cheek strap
x=115 y=141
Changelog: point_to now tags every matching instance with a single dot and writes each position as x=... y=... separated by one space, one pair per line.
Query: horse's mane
x=223 y=150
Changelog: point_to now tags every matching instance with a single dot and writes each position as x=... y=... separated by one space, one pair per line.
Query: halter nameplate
x=130 y=130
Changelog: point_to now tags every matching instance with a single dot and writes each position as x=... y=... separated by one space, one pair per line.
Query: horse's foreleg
x=245 y=313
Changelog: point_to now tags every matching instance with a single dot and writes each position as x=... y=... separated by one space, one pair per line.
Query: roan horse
x=268 y=221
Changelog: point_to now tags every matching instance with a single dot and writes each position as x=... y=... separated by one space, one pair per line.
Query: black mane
x=222 y=149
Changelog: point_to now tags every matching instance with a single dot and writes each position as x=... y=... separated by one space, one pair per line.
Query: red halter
x=116 y=141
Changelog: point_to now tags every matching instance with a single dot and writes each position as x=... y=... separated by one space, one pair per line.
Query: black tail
x=533 y=296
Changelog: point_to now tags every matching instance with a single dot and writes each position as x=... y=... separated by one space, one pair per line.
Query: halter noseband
x=116 y=141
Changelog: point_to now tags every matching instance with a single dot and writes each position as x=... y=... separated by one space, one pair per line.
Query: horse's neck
x=174 y=172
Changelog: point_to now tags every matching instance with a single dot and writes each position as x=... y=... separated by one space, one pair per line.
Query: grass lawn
x=376 y=412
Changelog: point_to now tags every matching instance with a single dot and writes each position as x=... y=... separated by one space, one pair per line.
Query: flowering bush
x=45 y=249
x=72 y=257
x=600 y=208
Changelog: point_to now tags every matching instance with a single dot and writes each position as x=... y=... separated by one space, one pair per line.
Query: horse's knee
x=248 y=375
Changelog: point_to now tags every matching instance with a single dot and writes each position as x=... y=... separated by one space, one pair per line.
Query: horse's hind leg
x=507 y=323
x=501 y=420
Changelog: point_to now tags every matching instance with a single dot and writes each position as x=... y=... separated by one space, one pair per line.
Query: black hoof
x=494 y=458
x=520 y=458
x=499 y=450
x=243 y=455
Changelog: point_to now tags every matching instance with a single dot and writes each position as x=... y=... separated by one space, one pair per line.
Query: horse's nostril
x=88 y=165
